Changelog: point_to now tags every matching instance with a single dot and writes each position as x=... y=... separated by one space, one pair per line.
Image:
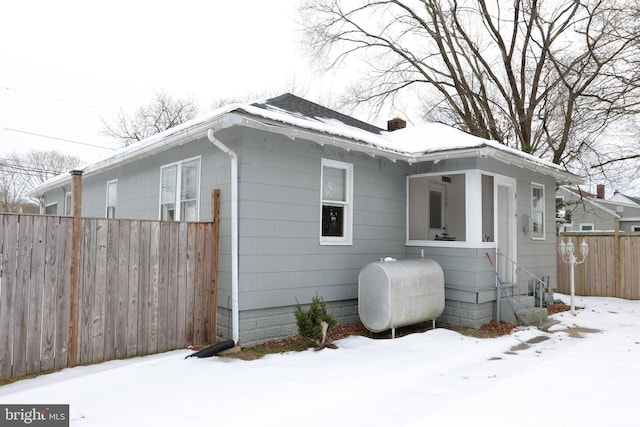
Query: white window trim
x=347 y=239
x=635 y=228
x=544 y=208
x=473 y=203
x=106 y=213
x=560 y=214
x=68 y=203
x=47 y=206
x=587 y=224
x=566 y=227
x=178 y=187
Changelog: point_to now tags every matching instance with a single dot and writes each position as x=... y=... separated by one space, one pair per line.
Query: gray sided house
x=311 y=196
x=583 y=211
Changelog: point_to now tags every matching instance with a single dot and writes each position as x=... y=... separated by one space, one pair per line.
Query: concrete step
x=511 y=305
x=526 y=313
x=533 y=316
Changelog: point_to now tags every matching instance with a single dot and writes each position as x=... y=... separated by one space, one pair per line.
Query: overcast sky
x=65 y=64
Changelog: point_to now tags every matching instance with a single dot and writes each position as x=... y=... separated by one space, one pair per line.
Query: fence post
x=76 y=194
x=215 y=218
x=618 y=280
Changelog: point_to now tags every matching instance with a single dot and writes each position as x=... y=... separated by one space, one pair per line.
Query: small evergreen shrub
x=309 y=321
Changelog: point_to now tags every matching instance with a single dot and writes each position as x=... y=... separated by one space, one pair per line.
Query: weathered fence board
x=143 y=284
x=111 y=287
x=63 y=292
x=36 y=289
x=8 y=293
x=47 y=361
x=122 y=292
x=172 y=288
x=21 y=314
x=611 y=269
x=181 y=302
x=142 y=289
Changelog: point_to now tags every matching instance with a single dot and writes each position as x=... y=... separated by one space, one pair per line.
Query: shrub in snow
x=309 y=321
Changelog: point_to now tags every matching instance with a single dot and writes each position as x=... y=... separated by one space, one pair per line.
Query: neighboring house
x=310 y=196
x=584 y=211
x=24 y=207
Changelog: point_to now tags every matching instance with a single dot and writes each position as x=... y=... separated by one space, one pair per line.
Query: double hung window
x=337 y=200
x=68 y=204
x=179 y=191
x=537 y=211
x=112 y=198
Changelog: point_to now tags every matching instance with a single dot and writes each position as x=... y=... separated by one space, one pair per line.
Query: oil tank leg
x=433 y=323
x=393 y=332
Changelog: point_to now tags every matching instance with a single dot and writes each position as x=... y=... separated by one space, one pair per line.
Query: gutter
x=533 y=163
x=235 y=312
x=170 y=138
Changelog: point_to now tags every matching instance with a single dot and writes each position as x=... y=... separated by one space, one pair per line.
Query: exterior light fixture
x=567 y=251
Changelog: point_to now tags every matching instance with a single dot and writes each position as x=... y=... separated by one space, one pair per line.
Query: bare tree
x=162 y=113
x=544 y=77
x=19 y=173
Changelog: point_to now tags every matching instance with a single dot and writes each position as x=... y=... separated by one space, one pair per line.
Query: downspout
x=235 y=317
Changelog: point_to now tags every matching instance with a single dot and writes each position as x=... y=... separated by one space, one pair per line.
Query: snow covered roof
x=624 y=199
x=296 y=117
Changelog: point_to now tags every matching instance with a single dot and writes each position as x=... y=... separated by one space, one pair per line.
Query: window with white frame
x=68 y=204
x=563 y=228
x=537 y=211
x=561 y=211
x=180 y=190
x=51 y=209
x=336 y=204
x=436 y=208
x=635 y=228
x=587 y=227
x=112 y=198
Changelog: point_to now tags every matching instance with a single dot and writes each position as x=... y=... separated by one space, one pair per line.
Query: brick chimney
x=600 y=191
x=395 y=124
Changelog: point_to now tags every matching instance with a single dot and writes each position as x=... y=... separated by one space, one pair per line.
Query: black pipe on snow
x=213 y=350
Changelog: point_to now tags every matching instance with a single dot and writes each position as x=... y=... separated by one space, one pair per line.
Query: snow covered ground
x=585 y=372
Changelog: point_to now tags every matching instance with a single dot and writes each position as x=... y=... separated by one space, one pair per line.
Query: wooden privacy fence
x=143 y=287
x=611 y=269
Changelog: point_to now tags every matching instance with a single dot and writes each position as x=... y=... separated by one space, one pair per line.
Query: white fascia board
x=320 y=138
x=454 y=154
x=171 y=138
x=562 y=177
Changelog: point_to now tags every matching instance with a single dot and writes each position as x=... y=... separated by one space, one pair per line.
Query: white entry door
x=506 y=231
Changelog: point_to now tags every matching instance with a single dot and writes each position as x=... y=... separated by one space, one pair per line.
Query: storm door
x=506 y=232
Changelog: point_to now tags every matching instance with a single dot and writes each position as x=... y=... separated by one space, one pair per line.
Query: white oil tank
x=393 y=294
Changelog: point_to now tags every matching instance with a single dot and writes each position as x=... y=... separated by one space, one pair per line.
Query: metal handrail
x=539 y=285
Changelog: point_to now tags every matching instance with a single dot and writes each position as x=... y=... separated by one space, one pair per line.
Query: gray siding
x=583 y=212
x=535 y=255
x=281 y=259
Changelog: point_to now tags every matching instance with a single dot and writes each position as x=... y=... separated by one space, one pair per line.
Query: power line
x=66 y=101
x=60 y=139
x=26 y=168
